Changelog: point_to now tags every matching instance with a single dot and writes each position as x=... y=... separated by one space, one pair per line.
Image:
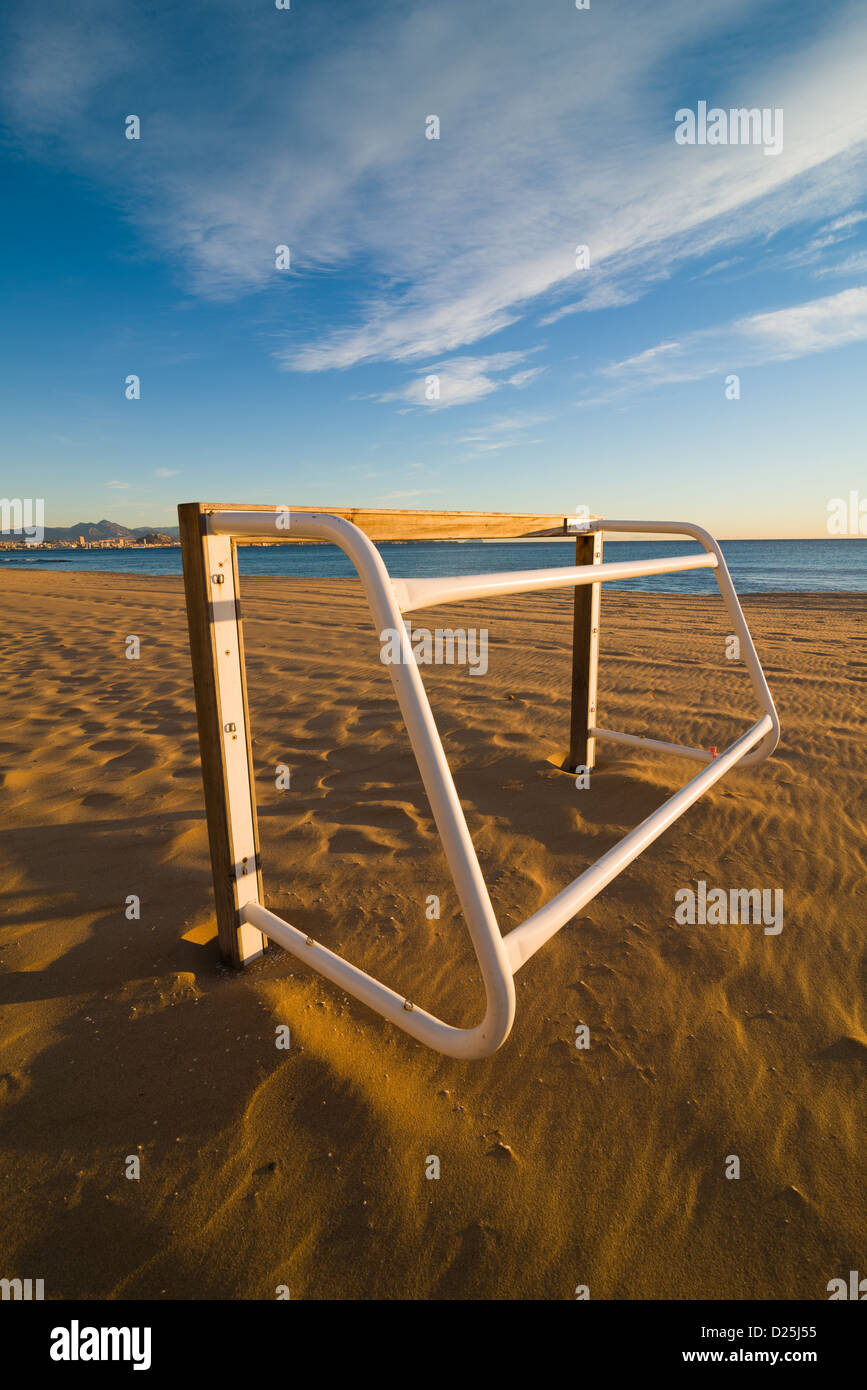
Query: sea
x=837 y=565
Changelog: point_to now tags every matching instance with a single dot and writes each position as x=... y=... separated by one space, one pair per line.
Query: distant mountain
x=105 y=531
x=91 y=530
x=171 y=531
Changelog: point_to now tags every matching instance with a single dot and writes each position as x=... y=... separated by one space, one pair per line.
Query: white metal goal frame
x=217 y=643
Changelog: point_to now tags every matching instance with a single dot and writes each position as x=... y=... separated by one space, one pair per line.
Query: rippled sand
x=306 y=1168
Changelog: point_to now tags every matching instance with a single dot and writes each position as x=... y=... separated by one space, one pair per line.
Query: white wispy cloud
x=718 y=267
x=403 y=494
x=806 y=328
x=814 y=251
x=850 y=266
x=800 y=330
x=502 y=432
x=461 y=380
x=602 y=295
x=556 y=130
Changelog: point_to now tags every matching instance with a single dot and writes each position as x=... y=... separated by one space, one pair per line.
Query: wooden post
x=585 y=656
x=219 y=681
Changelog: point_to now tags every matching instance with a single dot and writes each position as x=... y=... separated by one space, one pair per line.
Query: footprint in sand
x=845 y=1049
x=98 y=799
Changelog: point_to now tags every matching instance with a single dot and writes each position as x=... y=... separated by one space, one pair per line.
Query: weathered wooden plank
x=585 y=656
x=397 y=525
x=237 y=944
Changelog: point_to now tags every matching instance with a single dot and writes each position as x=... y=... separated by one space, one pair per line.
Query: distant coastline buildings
x=144 y=542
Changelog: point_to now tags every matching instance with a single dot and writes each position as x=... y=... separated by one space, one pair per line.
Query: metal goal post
x=209 y=537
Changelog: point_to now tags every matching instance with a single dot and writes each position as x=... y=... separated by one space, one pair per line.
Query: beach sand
x=305 y=1168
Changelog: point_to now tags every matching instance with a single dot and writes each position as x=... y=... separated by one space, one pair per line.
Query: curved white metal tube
x=427 y=593
x=523 y=942
x=445 y=806
x=733 y=607
x=498 y=957
x=655 y=745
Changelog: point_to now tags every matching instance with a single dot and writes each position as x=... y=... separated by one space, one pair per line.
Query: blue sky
x=559 y=387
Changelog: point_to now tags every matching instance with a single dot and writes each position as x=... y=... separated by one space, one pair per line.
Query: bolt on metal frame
x=211 y=580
